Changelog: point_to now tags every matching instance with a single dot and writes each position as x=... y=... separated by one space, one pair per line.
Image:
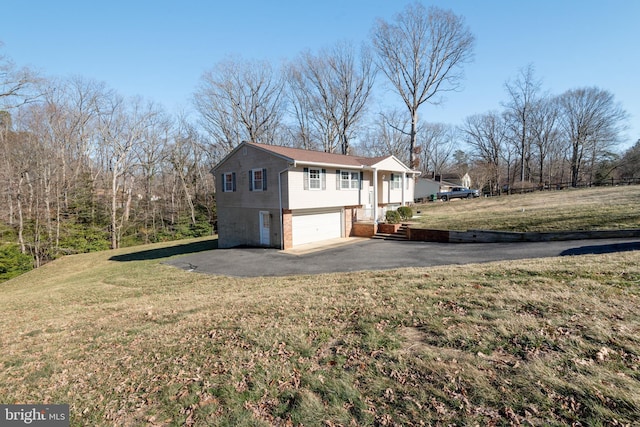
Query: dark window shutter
x=361 y=179
x=223 y=184
x=324 y=179
x=250 y=180
x=264 y=180
x=338 y=177
x=306 y=179
x=233 y=178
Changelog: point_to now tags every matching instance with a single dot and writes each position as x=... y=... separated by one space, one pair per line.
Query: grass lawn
x=533 y=342
x=582 y=209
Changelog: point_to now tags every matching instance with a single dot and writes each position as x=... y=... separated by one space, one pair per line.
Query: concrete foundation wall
x=241 y=227
x=488 y=236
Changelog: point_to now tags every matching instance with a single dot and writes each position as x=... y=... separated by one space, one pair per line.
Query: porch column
x=375 y=196
x=403 y=183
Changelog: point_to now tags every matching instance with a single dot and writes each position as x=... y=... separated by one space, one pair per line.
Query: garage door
x=315 y=226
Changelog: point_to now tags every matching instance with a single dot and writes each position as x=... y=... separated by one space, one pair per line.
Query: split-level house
x=283 y=197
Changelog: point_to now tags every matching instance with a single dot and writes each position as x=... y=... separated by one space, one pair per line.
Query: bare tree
x=545 y=135
x=592 y=122
x=523 y=100
x=14 y=171
x=334 y=87
x=301 y=109
x=485 y=134
x=6 y=172
x=387 y=136
x=149 y=154
x=240 y=100
x=437 y=144
x=121 y=128
x=16 y=84
x=184 y=156
x=71 y=108
x=312 y=105
x=422 y=53
x=630 y=162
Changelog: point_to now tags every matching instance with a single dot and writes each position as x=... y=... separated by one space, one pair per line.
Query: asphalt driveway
x=369 y=254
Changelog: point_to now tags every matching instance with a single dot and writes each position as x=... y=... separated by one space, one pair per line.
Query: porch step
x=400 y=235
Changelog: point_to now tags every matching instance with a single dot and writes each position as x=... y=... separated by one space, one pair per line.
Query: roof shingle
x=302 y=155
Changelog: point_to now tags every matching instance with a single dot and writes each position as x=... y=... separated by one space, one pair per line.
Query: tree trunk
x=575 y=164
x=412 y=141
x=127 y=207
x=20 y=218
x=114 y=206
x=189 y=198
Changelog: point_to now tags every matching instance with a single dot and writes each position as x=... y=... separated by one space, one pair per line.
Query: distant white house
x=426 y=187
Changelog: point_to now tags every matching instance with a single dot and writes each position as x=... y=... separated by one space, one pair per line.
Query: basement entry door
x=315 y=226
x=265 y=228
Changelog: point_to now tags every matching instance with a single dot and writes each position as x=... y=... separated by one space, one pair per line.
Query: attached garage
x=313 y=226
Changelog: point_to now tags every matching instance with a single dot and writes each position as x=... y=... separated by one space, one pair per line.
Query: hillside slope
x=599 y=208
x=550 y=342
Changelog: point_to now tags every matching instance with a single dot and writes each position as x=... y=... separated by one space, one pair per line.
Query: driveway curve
x=370 y=254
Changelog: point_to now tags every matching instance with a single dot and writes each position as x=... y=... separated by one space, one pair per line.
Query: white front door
x=265 y=228
x=369 y=212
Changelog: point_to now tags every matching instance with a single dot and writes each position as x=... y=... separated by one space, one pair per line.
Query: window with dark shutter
x=228 y=182
x=347 y=180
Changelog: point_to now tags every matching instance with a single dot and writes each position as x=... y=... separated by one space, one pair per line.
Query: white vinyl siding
x=330 y=196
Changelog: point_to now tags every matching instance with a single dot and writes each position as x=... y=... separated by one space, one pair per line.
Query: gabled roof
x=311 y=157
x=445 y=183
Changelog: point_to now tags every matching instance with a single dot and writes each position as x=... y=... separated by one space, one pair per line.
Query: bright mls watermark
x=34 y=415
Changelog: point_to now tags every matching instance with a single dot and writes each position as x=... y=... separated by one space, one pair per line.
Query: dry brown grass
x=581 y=209
x=553 y=342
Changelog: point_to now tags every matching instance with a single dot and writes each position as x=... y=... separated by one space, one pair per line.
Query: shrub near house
x=405 y=212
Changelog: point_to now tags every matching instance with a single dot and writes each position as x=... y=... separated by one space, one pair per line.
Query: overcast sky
x=159 y=49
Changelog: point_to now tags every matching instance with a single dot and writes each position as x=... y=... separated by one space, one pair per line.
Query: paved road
x=381 y=255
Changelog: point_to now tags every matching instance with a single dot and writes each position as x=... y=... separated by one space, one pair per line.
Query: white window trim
x=395 y=181
x=253 y=178
x=318 y=172
x=226 y=189
x=352 y=183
